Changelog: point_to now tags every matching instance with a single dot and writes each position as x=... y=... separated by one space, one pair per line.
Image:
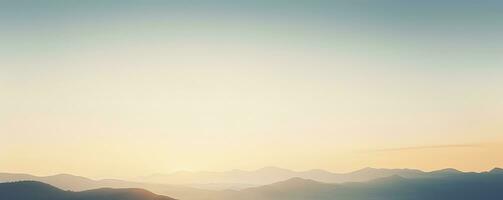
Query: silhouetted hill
x=64 y=181
x=467 y=186
x=444 y=172
x=32 y=190
x=268 y=175
x=77 y=183
x=496 y=171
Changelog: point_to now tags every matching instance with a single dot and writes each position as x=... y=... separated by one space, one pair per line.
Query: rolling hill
x=33 y=190
x=467 y=186
x=78 y=183
x=270 y=175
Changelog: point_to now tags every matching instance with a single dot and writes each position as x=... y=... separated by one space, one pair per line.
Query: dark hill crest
x=33 y=190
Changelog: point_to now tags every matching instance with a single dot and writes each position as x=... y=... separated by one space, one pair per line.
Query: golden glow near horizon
x=130 y=95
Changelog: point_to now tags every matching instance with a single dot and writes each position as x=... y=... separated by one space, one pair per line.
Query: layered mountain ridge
x=304 y=185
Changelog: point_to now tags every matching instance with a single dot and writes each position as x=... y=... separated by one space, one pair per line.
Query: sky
x=130 y=88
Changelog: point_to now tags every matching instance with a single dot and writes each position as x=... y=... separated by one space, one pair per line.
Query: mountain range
x=78 y=183
x=449 y=186
x=304 y=187
x=234 y=179
x=466 y=186
x=270 y=175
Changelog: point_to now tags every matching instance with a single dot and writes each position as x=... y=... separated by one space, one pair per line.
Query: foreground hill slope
x=78 y=183
x=469 y=186
x=33 y=190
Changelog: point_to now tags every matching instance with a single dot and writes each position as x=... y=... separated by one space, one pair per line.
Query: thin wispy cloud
x=426 y=147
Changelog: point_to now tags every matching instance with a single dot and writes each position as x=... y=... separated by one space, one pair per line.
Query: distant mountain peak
x=450 y=170
x=68 y=176
x=496 y=170
x=447 y=171
x=368 y=169
x=364 y=170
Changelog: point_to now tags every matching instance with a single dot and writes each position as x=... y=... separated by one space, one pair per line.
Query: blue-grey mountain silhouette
x=33 y=190
x=447 y=184
x=457 y=186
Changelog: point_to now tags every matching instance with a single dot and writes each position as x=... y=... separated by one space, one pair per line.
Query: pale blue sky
x=214 y=85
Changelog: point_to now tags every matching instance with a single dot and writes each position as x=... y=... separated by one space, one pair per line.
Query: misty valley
x=365 y=184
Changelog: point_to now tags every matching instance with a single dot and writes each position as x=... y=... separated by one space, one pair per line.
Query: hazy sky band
x=183 y=83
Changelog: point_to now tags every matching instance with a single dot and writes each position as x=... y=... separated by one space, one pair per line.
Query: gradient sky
x=129 y=88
